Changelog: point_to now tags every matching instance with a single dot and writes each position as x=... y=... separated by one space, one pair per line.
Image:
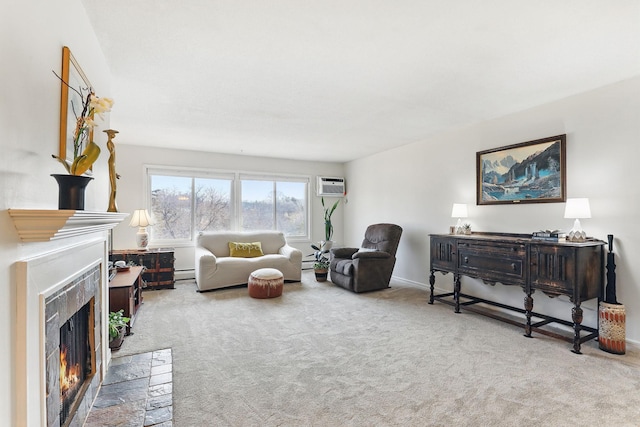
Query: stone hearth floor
x=137 y=392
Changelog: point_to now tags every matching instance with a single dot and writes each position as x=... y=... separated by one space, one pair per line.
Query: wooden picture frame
x=70 y=101
x=528 y=172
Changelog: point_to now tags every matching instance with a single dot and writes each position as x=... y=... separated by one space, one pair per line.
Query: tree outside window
x=184 y=205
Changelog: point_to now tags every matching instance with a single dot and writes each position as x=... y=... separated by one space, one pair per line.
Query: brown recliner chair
x=369 y=267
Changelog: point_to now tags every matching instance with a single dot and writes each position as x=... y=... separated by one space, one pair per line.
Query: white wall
x=32 y=34
x=416 y=185
x=130 y=165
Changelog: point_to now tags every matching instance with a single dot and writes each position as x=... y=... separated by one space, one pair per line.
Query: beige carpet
x=322 y=356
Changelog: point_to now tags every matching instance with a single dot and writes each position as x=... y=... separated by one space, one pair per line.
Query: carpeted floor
x=322 y=356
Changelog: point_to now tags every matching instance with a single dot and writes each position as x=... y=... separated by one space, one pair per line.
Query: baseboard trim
x=185 y=275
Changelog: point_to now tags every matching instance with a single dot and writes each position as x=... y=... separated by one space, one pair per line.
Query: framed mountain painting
x=528 y=172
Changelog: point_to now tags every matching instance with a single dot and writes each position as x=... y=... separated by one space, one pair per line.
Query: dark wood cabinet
x=554 y=268
x=159 y=270
x=125 y=293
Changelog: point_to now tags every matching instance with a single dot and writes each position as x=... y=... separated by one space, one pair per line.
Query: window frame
x=236 y=177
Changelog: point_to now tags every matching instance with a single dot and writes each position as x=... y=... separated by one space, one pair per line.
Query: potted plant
x=85 y=152
x=466 y=228
x=321 y=264
x=117 y=328
x=328 y=226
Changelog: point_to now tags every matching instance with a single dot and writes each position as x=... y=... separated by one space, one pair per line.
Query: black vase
x=71 y=191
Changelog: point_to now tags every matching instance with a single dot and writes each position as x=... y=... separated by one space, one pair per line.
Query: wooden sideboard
x=554 y=268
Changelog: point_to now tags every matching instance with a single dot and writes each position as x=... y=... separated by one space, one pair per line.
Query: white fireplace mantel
x=47 y=225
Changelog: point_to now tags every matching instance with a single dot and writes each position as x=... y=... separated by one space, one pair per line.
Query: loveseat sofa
x=216 y=268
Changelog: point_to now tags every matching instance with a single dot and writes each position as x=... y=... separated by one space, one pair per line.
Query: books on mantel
x=549 y=235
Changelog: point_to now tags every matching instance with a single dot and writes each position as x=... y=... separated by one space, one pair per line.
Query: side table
x=125 y=293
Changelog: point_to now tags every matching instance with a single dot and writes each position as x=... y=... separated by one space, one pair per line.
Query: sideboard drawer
x=495 y=262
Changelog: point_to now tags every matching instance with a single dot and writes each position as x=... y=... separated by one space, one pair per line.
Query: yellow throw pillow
x=245 y=250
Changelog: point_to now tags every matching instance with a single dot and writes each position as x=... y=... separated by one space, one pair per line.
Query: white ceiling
x=337 y=80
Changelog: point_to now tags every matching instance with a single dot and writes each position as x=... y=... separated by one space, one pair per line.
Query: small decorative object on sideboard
x=577 y=208
x=549 y=235
x=459 y=211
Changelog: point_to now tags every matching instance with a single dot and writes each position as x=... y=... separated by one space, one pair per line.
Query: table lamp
x=459 y=211
x=577 y=208
x=141 y=219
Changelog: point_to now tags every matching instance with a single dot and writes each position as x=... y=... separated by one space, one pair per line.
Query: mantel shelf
x=47 y=225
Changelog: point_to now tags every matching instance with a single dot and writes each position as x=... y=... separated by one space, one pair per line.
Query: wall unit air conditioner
x=330 y=186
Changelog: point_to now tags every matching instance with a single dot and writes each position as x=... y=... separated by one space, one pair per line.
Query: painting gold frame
x=74 y=77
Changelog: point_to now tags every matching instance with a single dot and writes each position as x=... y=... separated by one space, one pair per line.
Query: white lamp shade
x=459 y=210
x=140 y=218
x=577 y=208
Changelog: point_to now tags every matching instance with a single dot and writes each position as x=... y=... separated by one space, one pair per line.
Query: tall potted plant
x=328 y=226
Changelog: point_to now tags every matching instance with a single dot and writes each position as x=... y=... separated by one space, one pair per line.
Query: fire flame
x=69 y=375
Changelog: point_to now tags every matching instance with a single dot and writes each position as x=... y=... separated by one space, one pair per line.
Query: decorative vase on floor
x=612 y=330
x=71 y=191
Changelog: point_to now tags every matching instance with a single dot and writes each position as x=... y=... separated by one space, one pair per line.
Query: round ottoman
x=266 y=283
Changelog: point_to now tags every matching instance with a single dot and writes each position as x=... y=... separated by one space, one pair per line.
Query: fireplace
x=61 y=319
x=64 y=269
x=76 y=361
x=72 y=336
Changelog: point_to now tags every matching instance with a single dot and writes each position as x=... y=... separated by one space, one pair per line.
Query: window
x=279 y=205
x=186 y=202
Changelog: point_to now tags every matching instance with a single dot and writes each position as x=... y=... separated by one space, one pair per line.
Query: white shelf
x=47 y=225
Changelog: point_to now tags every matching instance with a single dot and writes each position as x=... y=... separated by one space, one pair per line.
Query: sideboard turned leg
x=528 y=306
x=432 y=281
x=576 y=315
x=456 y=292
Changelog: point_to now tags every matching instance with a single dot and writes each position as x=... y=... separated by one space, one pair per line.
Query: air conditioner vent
x=331 y=186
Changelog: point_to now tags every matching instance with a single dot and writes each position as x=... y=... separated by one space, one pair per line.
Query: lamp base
x=142 y=238
x=576 y=234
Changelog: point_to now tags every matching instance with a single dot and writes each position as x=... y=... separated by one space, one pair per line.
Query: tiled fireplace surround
x=59 y=307
x=69 y=272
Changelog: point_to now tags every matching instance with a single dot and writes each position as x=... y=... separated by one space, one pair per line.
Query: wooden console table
x=125 y=293
x=554 y=268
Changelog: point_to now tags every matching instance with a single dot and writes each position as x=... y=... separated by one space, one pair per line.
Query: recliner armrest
x=343 y=252
x=371 y=255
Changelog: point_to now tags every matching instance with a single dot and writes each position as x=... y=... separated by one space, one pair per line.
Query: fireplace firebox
x=76 y=361
x=73 y=325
